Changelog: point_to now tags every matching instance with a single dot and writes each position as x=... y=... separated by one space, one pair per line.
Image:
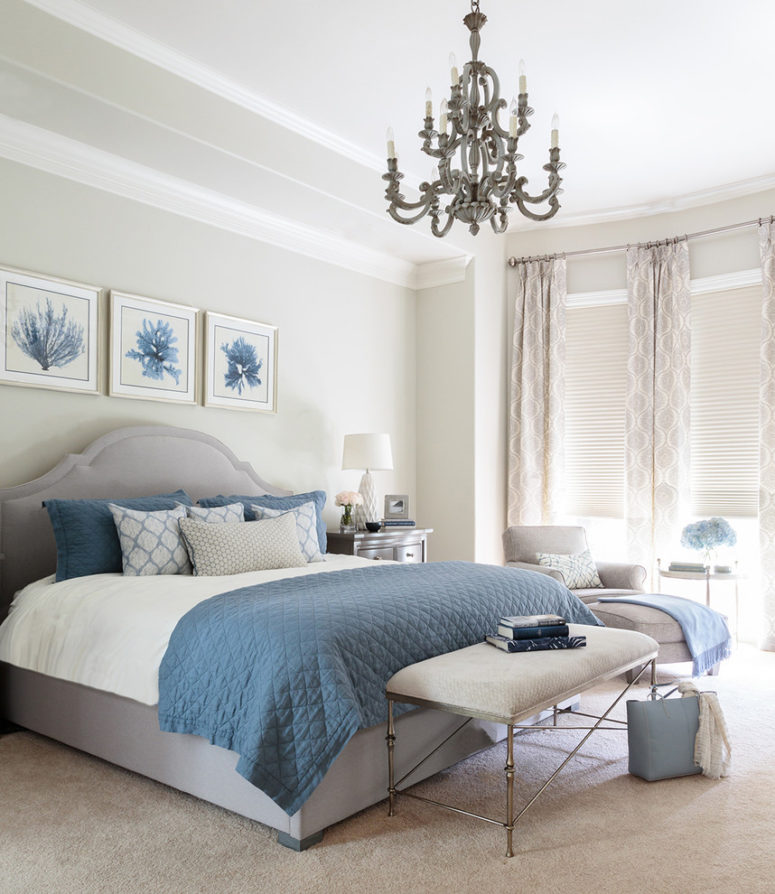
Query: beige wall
x=461 y=383
x=445 y=431
x=346 y=341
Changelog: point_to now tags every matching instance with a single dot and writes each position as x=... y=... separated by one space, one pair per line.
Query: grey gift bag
x=660 y=735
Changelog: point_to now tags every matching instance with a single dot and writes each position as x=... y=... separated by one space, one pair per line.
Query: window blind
x=595 y=390
x=725 y=402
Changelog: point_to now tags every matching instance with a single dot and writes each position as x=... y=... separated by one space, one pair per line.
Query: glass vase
x=347 y=523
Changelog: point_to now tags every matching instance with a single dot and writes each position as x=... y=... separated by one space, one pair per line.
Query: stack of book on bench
x=533 y=633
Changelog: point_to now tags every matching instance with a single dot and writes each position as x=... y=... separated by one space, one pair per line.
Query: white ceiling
x=281 y=113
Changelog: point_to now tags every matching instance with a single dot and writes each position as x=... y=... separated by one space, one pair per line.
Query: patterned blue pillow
x=318 y=497
x=86 y=536
x=232 y=512
x=306 y=526
x=151 y=542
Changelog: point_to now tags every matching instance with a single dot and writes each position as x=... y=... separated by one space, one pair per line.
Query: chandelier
x=487 y=184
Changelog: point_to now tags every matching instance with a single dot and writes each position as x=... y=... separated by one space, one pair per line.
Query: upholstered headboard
x=127 y=462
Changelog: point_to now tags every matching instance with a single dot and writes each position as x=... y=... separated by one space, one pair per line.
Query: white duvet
x=110 y=632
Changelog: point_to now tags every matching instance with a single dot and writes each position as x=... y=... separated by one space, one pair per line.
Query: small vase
x=347 y=524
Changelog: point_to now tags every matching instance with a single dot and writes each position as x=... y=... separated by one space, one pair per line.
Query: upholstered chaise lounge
x=522 y=543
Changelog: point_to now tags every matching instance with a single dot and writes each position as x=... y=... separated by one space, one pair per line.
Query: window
x=595 y=390
x=724 y=402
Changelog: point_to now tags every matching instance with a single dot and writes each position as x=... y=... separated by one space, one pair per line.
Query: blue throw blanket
x=284 y=673
x=705 y=631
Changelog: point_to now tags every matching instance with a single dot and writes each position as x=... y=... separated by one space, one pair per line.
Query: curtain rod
x=512 y=261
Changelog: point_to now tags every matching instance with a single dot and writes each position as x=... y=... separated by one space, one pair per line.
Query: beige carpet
x=71 y=823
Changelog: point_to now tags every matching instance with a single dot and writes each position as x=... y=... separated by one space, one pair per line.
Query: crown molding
x=723 y=193
x=120 y=35
x=440 y=273
x=64 y=157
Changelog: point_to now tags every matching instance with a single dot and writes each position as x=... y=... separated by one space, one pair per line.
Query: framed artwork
x=152 y=349
x=396 y=506
x=49 y=332
x=240 y=364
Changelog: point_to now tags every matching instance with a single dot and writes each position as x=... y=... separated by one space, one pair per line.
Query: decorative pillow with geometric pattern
x=236 y=547
x=579 y=569
x=234 y=512
x=306 y=526
x=150 y=541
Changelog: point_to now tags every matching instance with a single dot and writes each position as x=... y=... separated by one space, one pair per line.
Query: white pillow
x=579 y=569
x=236 y=547
x=306 y=517
x=150 y=541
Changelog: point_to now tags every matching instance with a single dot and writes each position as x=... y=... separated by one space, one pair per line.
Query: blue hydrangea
x=243 y=365
x=708 y=534
x=155 y=351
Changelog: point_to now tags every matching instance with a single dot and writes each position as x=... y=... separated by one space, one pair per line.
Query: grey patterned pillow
x=233 y=548
x=306 y=526
x=150 y=541
x=233 y=512
x=579 y=569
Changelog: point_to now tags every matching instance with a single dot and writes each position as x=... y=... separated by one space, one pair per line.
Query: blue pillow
x=318 y=497
x=86 y=536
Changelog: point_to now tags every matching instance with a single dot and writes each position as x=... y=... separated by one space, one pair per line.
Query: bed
x=124 y=728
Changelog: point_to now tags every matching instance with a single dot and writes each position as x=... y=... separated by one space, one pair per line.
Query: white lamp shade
x=367 y=451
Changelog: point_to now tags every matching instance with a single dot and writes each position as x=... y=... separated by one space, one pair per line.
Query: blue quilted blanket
x=284 y=673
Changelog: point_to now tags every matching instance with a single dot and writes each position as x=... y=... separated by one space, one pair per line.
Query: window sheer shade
x=725 y=402
x=595 y=388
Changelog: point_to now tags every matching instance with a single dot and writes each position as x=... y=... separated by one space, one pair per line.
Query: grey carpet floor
x=73 y=823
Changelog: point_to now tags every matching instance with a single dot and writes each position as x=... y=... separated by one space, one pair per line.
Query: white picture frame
x=396 y=506
x=240 y=364
x=153 y=349
x=50 y=332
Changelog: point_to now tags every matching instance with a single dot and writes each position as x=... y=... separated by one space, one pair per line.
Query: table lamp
x=369 y=452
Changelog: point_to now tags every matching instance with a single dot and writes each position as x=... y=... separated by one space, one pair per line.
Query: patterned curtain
x=657 y=420
x=536 y=419
x=767 y=434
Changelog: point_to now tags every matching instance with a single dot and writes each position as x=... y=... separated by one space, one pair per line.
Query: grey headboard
x=127 y=462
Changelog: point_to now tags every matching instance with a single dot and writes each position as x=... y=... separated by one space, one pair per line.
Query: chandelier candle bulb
x=513 y=119
x=522 y=77
x=428 y=103
x=391 y=145
x=555 y=131
x=443 y=117
x=455 y=77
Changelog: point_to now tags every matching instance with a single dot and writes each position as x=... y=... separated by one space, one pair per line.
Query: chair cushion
x=651 y=621
x=592 y=594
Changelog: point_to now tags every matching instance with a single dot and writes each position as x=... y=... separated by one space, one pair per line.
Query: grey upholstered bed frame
x=146 y=460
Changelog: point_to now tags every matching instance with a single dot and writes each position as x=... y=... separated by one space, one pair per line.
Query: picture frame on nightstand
x=396 y=506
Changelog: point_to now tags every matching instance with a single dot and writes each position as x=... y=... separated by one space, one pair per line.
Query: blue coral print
x=155 y=351
x=243 y=365
x=48 y=338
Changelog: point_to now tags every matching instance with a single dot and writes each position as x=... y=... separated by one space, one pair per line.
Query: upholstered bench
x=484 y=682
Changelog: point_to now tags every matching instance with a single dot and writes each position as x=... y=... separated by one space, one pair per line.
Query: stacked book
x=687 y=566
x=534 y=633
x=397 y=523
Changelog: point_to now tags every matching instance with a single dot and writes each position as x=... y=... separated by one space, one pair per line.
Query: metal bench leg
x=509 y=789
x=391 y=744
